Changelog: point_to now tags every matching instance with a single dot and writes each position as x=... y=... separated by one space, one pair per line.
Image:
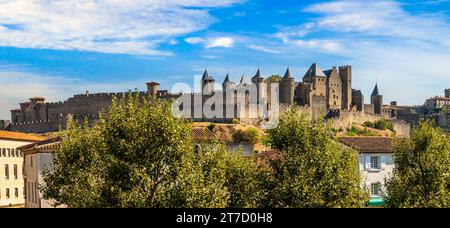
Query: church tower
x=376 y=100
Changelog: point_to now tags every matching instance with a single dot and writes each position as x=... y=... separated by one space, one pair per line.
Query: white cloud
x=212 y=57
x=402 y=50
x=319 y=45
x=194 y=40
x=225 y=42
x=212 y=42
x=263 y=49
x=22 y=85
x=378 y=18
x=110 y=26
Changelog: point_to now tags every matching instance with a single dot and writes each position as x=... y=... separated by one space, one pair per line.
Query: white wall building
x=37 y=158
x=11 y=167
x=375 y=163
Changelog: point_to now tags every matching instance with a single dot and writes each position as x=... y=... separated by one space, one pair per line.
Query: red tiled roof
x=369 y=144
x=11 y=135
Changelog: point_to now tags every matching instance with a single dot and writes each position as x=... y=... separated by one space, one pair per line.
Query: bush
x=381 y=124
x=250 y=135
x=235 y=121
x=358 y=132
x=384 y=124
x=368 y=124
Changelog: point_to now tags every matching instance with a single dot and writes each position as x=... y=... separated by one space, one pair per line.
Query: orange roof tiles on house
x=369 y=144
x=11 y=135
x=45 y=146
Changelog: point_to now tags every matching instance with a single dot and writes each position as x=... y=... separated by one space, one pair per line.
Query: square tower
x=345 y=73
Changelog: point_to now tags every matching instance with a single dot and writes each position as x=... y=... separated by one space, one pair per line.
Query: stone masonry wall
x=347 y=118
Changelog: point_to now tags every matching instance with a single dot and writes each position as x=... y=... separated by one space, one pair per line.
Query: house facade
x=11 y=166
x=37 y=158
x=375 y=163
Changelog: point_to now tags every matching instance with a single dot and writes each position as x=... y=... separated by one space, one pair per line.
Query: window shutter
x=383 y=161
x=367 y=162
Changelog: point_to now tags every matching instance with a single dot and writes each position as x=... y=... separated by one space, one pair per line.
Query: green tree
x=250 y=135
x=421 y=177
x=314 y=169
x=137 y=155
x=244 y=181
x=274 y=78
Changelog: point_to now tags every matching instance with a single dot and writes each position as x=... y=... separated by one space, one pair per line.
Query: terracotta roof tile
x=369 y=144
x=11 y=135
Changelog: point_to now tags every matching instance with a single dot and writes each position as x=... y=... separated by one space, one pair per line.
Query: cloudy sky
x=59 y=48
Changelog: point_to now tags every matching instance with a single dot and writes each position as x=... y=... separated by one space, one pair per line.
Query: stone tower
x=258 y=81
x=227 y=84
x=447 y=93
x=376 y=100
x=317 y=79
x=334 y=89
x=207 y=83
x=152 y=88
x=287 y=88
x=357 y=100
x=345 y=73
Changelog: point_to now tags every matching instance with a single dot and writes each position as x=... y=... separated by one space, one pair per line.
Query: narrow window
x=7 y=171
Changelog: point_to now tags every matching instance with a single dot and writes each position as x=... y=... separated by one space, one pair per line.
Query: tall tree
x=314 y=170
x=135 y=156
x=421 y=177
x=139 y=155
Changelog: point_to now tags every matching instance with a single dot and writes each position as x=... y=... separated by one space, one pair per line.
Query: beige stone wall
x=334 y=91
x=347 y=118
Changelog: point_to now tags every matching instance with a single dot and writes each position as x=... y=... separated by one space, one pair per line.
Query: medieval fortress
x=326 y=92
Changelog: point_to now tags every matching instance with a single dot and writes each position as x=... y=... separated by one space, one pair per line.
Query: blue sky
x=59 y=48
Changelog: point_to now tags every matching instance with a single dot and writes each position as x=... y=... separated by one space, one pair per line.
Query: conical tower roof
x=257 y=75
x=227 y=79
x=287 y=75
x=376 y=91
x=206 y=76
x=314 y=71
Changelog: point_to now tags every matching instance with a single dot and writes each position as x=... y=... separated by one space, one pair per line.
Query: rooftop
x=41 y=146
x=201 y=134
x=314 y=71
x=376 y=91
x=439 y=98
x=18 y=136
x=369 y=144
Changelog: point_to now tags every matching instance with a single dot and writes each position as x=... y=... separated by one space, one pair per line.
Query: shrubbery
x=251 y=135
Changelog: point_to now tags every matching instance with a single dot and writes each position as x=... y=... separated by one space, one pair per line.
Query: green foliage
x=421 y=177
x=354 y=131
x=244 y=182
x=384 y=124
x=211 y=127
x=251 y=135
x=314 y=169
x=235 y=121
x=129 y=159
x=368 y=124
x=139 y=155
x=273 y=79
